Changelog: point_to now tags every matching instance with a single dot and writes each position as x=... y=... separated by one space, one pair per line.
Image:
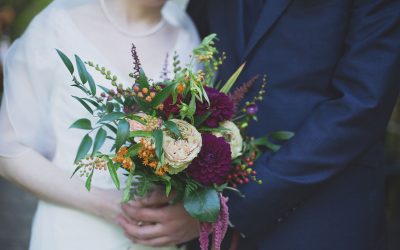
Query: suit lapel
x=272 y=10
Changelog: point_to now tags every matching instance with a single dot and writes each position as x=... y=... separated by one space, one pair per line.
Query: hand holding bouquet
x=186 y=134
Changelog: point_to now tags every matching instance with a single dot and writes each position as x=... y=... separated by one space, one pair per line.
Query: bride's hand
x=156 y=222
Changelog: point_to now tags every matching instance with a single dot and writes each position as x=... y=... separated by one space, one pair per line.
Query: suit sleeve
x=339 y=130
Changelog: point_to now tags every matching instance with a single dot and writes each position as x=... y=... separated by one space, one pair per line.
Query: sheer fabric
x=37 y=107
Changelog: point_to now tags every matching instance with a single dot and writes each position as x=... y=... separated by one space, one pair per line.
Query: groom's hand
x=154 y=222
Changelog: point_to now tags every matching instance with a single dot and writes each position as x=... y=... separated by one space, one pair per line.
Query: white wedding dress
x=37 y=106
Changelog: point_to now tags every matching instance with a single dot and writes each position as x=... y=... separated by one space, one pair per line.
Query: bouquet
x=186 y=134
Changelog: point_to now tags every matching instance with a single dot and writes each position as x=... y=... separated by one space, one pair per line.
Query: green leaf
x=134 y=150
x=81 y=69
x=192 y=106
x=95 y=104
x=99 y=140
x=122 y=133
x=158 y=141
x=171 y=126
x=111 y=127
x=81 y=88
x=127 y=192
x=92 y=84
x=228 y=85
x=199 y=119
x=109 y=107
x=140 y=133
x=142 y=80
x=82 y=124
x=282 y=135
x=88 y=183
x=76 y=170
x=203 y=204
x=113 y=173
x=265 y=142
x=112 y=117
x=106 y=90
x=84 y=104
x=84 y=148
x=66 y=61
x=163 y=95
x=137 y=118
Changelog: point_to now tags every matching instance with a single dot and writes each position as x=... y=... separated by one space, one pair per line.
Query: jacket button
x=279 y=220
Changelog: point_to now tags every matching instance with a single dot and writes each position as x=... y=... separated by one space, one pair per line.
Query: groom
x=334 y=75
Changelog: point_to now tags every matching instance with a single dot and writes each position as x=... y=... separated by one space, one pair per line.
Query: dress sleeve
x=24 y=120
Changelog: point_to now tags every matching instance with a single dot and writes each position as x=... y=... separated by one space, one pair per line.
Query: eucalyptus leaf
x=142 y=80
x=127 y=192
x=76 y=170
x=171 y=126
x=66 y=61
x=109 y=107
x=111 y=127
x=111 y=117
x=84 y=104
x=92 y=84
x=81 y=69
x=158 y=141
x=163 y=95
x=122 y=133
x=140 y=133
x=99 y=140
x=88 y=183
x=82 y=124
x=113 y=173
x=84 y=148
x=282 y=135
x=204 y=204
x=95 y=104
x=106 y=90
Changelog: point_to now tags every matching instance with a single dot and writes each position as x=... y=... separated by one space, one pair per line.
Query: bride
x=36 y=147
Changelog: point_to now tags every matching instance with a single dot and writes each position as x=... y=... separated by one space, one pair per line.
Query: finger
x=156 y=242
x=150 y=215
x=145 y=232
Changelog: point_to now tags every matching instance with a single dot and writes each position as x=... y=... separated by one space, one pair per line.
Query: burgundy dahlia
x=213 y=163
x=170 y=108
x=221 y=107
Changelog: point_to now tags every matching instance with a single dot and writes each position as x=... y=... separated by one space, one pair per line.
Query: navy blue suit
x=333 y=69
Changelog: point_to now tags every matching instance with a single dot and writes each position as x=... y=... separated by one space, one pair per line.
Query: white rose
x=232 y=136
x=179 y=153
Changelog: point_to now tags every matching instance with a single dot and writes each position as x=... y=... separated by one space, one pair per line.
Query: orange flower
x=180 y=88
x=126 y=162
x=148 y=154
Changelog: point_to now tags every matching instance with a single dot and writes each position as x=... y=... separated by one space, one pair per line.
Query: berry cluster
x=243 y=172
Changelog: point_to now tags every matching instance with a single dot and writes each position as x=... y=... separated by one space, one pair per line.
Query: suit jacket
x=333 y=69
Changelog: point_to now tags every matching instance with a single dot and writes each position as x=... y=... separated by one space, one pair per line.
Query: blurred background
x=17 y=207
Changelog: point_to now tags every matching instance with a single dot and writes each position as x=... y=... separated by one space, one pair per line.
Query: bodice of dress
x=37 y=106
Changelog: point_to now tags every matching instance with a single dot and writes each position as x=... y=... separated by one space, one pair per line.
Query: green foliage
x=82 y=124
x=66 y=61
x=84 y=148
x=99 y=140
x=171 y=126
x=113 y=173
x=158 y=141
x=228 y=85
x=122 y=133
x=204 y=204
